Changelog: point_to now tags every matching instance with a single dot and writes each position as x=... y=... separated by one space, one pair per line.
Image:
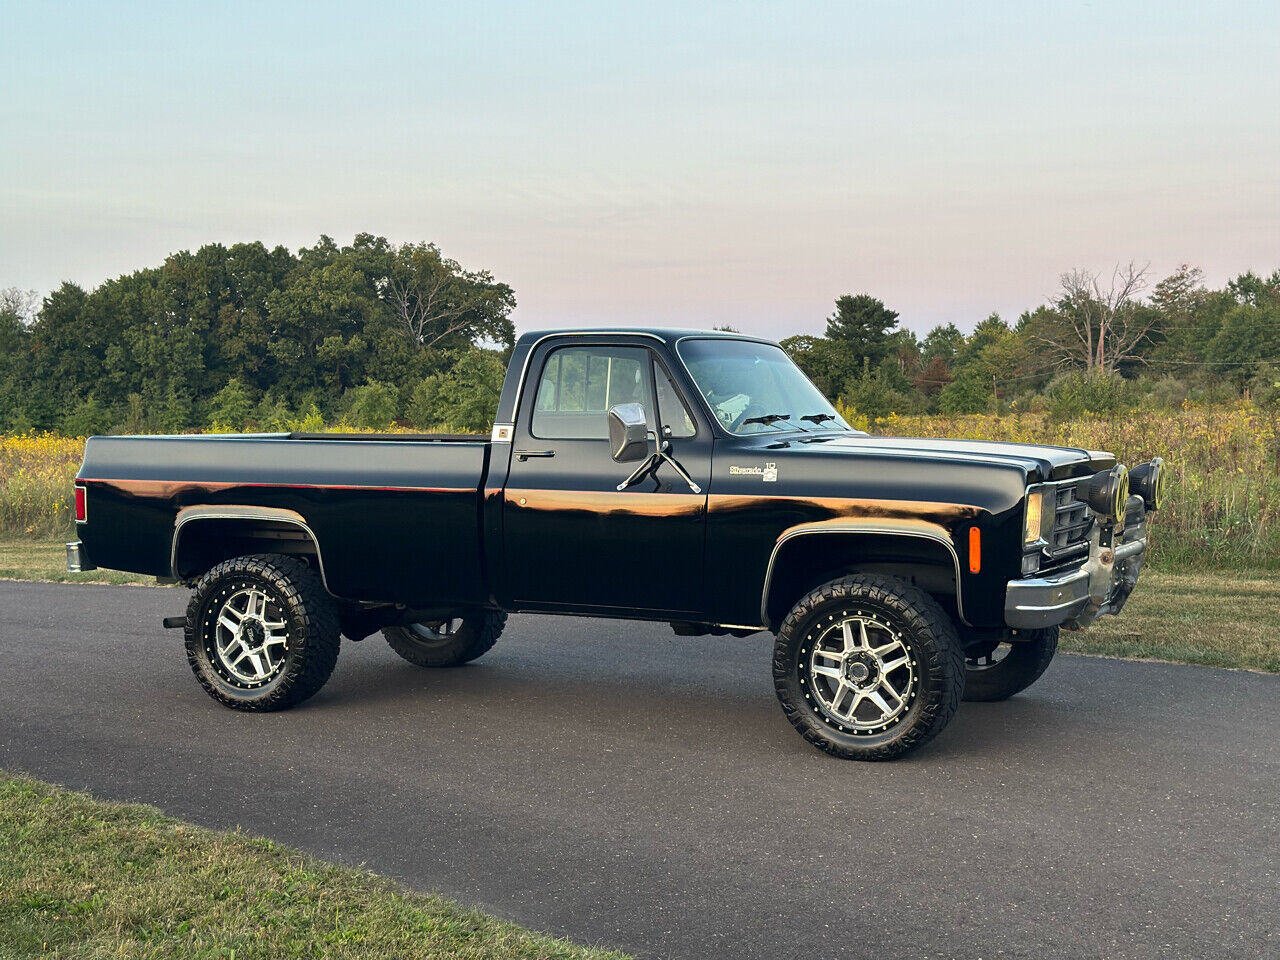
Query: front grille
x=1072 y=523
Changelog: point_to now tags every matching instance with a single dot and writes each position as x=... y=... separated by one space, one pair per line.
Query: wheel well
x=806 y=561
x=203 y=542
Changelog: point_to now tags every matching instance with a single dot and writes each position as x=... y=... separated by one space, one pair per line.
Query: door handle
x=526 y=454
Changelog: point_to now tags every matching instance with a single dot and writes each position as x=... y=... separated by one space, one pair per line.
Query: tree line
x=1104 y=343
x=246 y=337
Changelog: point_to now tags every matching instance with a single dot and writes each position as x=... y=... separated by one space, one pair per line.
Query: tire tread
x=923 y=615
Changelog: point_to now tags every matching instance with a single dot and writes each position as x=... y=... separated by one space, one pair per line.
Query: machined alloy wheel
x=867 y=667
x=860 y=672
x=250 y=639
x=262 y=633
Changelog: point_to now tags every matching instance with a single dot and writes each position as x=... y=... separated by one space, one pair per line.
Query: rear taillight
x=82 y=510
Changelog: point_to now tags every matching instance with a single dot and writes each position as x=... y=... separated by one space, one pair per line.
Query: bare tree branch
x=1100 y=329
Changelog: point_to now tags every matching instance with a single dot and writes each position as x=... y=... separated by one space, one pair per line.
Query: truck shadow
x=654 y=687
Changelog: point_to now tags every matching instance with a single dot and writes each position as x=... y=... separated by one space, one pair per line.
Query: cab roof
x=665 y=334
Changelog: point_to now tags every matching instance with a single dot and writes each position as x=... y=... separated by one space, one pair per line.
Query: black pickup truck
x=689 y=477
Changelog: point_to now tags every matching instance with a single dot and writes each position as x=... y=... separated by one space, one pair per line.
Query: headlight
x=1107 y=492
x=1035 y=511
x=1149 y=481
x=1041 y=512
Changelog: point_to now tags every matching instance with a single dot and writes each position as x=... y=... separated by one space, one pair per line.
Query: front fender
x=934 y=544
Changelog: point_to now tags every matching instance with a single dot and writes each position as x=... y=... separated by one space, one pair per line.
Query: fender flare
x=244 y=513
x=920 y=529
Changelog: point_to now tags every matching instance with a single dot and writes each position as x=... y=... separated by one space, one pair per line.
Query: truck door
x=571 y=538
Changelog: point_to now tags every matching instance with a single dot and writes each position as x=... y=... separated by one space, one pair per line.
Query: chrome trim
x=78 y=559
x=231 y=512
x=1098 y=587
x=533 y=348
x=861 y=528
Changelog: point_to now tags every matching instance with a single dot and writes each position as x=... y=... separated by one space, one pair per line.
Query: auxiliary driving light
x=1149 y=482
x=1107 y=492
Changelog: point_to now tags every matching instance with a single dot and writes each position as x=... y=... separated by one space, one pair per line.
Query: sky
x=682 y=164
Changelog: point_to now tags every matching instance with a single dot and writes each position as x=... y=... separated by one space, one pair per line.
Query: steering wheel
x=752 y=410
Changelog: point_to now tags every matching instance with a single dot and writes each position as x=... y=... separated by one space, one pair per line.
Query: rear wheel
x=261 y=632
x=868 y=667
x=447 y=643
x=998 y=670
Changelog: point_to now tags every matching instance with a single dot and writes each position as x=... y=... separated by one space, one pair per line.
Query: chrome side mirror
x=628 y=432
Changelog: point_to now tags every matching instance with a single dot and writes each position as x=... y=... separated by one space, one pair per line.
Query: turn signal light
x=82 y=510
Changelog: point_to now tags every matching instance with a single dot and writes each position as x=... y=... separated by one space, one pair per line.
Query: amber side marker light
x=975 y=550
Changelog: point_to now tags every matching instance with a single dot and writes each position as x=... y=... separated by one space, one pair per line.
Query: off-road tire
x=477 y=634
x=1022 y=666
x=311 y=628
x=924 y=629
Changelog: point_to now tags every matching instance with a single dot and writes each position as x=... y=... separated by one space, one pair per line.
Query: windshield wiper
x=819 y=418
x=772 y=420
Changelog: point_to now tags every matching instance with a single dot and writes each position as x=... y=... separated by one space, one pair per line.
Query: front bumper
x=1076 y=598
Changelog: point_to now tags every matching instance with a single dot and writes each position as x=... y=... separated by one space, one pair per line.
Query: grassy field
x=88 y=879
x=1216 y=619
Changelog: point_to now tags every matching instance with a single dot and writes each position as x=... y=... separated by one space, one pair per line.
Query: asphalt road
x=618 y=785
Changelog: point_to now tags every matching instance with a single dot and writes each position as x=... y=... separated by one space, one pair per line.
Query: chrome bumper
x=1075 y=599
x=77 y=559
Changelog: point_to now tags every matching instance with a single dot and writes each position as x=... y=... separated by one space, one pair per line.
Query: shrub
x=87 y=418
x=1076 y=393
x=372 y=406
x=465 y=397
x=230 y=407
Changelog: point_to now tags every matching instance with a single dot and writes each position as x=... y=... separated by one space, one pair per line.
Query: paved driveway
x=610 y=782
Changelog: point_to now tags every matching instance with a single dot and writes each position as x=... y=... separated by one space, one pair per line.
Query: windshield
x=756 y=388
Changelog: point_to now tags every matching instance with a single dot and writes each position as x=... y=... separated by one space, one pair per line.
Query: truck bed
x=396 y=516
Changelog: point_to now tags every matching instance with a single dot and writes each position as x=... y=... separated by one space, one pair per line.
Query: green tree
x=373 y=405
x=463 y=398
x=944 y=341
x=828 y=363
x=17 y=310
x=1249 y=335
x=230 y=407
x=864 y=324
x=86 y=419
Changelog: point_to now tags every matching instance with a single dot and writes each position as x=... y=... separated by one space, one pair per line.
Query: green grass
x=42 y=560
x=1220 y=619
x=83 y=878
x=1217 y=619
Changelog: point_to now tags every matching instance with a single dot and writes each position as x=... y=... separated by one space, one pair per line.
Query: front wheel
x=447 y=643
x=868 y=667
x=998 y=670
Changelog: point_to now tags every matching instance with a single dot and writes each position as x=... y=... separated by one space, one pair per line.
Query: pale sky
x=661 y=163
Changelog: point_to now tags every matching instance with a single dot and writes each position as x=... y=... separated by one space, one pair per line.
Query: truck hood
x=1040 y=462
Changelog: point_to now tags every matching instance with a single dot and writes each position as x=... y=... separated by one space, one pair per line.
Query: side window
x=578 y=385
x=673 y=414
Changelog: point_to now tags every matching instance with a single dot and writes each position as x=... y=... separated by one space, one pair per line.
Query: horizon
x=664 y=167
